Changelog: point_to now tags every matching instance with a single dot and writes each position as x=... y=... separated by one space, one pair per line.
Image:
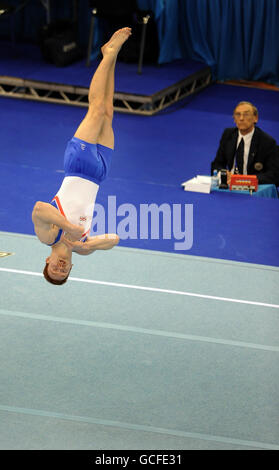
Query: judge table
x=264 y=190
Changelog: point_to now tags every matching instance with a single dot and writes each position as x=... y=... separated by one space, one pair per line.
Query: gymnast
x=65 y=223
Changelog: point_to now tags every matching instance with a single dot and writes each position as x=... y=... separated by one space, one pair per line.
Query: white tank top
x=75 y=200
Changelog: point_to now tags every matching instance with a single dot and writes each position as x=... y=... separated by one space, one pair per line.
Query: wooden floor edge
x=251 y=84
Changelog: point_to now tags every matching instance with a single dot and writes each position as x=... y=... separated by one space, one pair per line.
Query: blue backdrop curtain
x=239 y=39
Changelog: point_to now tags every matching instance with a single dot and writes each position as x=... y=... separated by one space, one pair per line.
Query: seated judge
x=248 y=148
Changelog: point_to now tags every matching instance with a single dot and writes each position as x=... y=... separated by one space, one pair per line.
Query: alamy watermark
x=148 y=221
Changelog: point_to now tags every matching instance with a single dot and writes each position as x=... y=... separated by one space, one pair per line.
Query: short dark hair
x=54 y=281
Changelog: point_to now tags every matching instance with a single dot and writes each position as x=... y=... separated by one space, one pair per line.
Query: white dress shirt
x=247 y=143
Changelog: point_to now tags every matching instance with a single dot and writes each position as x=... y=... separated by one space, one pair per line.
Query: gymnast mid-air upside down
x=65 y=223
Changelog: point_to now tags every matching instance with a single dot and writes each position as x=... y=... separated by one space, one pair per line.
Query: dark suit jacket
x=263 y=150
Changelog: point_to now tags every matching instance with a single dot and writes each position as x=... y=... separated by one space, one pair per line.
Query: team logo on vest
x=82 y=146
x=83 y=218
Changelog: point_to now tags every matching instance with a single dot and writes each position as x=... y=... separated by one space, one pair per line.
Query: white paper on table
x=200 y=184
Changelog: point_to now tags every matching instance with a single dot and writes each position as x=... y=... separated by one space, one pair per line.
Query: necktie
x=239 y=156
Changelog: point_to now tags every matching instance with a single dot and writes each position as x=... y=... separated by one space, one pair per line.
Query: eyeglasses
x=245 y=114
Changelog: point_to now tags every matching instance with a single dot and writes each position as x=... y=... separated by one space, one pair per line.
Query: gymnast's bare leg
x=96 y=127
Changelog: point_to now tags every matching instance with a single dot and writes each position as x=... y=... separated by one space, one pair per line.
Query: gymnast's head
x=57 y=269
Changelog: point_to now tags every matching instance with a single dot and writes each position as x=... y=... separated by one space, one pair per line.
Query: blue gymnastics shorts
x=88 y=161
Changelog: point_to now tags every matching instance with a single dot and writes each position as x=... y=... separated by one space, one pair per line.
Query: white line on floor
x=139 y=427
x=138 y=330
x=150 y=289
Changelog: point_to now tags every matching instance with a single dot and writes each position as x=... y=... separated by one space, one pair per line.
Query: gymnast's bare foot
x=115 y=43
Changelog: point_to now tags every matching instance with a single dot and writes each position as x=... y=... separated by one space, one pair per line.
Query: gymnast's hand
x=78 y=247
x=75 y=232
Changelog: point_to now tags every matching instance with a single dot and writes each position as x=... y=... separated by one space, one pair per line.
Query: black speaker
x=58 y=43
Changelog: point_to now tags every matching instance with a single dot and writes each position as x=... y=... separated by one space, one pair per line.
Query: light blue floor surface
x=139 y=350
